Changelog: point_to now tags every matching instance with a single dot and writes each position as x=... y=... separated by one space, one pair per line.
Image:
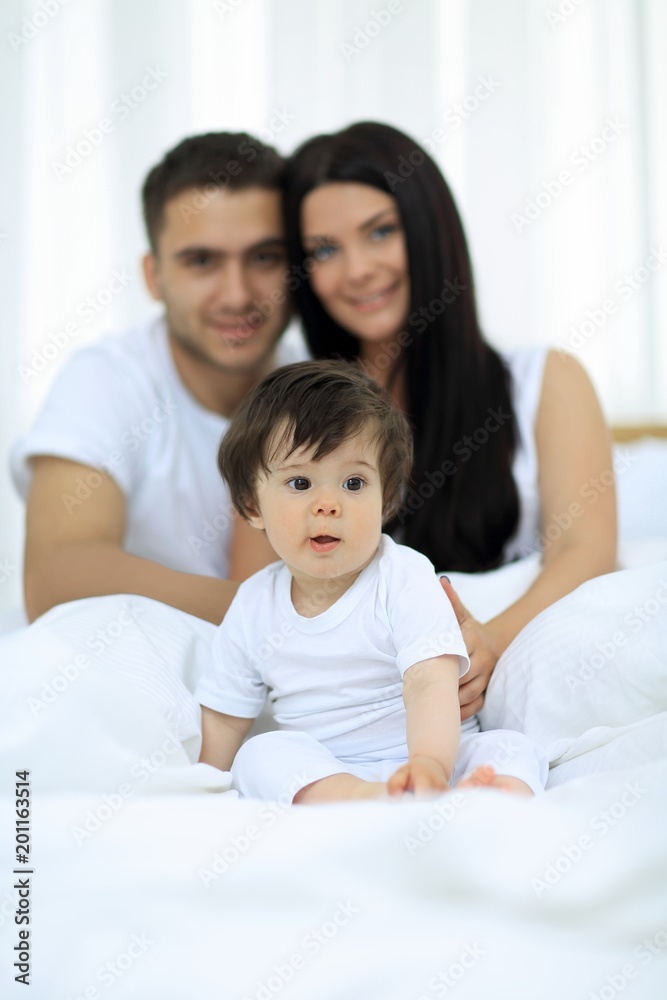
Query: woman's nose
x=358 y=264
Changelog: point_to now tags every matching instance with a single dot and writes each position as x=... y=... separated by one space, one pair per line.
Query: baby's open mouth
x=324 y=543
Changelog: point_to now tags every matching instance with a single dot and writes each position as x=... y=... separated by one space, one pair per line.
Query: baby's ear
x=252 y=515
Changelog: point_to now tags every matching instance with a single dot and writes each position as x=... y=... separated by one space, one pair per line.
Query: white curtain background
x=547 y=117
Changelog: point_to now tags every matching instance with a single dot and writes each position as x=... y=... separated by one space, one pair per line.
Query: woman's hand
x=482 y=651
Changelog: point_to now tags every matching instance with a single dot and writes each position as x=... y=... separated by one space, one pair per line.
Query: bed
x=148 y=877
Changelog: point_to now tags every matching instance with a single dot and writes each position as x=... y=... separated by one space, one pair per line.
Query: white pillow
x=597 y=657
x=107 y=653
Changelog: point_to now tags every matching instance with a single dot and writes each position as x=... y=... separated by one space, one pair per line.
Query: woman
x=508 y=448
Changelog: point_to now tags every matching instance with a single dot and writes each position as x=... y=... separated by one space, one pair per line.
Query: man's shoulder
x=128 y=365
x=136 y=345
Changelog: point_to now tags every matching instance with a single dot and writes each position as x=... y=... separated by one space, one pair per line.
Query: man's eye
x=354 y=483
x=199 y=260
x=299 y=483
x=268 y=258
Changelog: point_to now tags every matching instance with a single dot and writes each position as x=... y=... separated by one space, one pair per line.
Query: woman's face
x=354 y=234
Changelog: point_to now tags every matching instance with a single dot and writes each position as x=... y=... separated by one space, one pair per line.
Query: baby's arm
x=430 y=695
x=222 y=735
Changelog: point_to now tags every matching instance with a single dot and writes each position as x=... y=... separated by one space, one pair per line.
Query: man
x=119 y=471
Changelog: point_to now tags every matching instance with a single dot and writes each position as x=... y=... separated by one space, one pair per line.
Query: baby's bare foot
x=483 y=775
x=487 y=777
x=508 y=783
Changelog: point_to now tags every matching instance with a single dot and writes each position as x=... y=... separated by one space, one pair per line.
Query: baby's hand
x=419 y=775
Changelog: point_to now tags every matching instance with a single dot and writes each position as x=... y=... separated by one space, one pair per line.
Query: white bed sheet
x=474 y=894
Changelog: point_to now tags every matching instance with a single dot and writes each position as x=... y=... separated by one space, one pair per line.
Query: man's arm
x=430 y=695
x=78 y=552
x=222 y=735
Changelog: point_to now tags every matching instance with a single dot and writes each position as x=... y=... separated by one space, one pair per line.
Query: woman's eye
x=322 y=252
x=299 y=483
x=354 y=483
x=382 y=231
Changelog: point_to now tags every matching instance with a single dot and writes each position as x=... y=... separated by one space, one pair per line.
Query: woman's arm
x=577 y=494
x=578 y=516
x=432 y=726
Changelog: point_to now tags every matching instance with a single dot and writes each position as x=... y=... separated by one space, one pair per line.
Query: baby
x=351 y=636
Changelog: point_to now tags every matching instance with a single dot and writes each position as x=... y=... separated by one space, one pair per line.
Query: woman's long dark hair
x=463 y=505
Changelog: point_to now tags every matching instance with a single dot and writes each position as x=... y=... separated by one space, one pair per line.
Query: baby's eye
x=354 y=483
x=299 y=483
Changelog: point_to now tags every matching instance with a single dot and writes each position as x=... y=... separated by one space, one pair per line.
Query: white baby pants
x=275 y=766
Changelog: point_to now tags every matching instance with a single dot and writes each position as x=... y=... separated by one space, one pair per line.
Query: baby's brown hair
x=317 y=405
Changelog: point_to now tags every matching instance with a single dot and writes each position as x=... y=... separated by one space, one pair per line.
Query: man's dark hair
x=231 y=160
x=316 y=405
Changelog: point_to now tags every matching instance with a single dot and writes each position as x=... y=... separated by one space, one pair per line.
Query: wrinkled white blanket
x=151 y=879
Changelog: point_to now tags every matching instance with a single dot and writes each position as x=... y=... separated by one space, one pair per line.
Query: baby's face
x=324 y=518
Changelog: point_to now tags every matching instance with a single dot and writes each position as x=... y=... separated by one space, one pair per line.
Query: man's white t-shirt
x=338 y=676
x=120 y=406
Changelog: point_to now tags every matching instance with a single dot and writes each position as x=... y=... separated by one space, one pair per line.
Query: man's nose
x=234 y=291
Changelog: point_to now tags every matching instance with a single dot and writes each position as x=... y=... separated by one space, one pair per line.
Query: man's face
x=220 y=271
